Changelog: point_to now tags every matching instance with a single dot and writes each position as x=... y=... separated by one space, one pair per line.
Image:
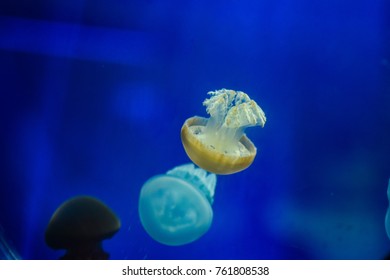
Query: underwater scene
x=194 y=129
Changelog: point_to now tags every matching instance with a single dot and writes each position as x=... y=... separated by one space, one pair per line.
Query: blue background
x=94 y=93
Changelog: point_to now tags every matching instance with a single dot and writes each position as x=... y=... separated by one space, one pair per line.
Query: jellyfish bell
x=210 y=158
x=175 y=208
x=219 y=144
x=79 y=225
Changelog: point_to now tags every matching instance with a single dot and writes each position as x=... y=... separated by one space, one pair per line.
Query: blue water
x=93 y=96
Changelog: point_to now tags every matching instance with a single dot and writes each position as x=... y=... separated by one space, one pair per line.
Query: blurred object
x=80 y=225
x=76 y=41
x=6 y=250
x=387 y=218
x=175 y=208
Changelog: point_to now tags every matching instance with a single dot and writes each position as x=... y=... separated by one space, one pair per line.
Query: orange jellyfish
x=218 y=144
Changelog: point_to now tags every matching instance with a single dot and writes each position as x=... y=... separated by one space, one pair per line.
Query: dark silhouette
x=79 y=226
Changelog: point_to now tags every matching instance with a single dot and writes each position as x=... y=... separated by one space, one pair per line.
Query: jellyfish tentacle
x=204 y=182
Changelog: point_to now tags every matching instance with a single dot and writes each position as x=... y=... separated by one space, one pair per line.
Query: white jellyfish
x=175 y=208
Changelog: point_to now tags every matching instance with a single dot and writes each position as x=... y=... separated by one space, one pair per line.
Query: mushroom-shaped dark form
x=79 y=226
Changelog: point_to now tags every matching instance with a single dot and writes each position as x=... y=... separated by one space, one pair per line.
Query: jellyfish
x=387 y=218
x=175 y=208
x=79 y=225
x=219 y=144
